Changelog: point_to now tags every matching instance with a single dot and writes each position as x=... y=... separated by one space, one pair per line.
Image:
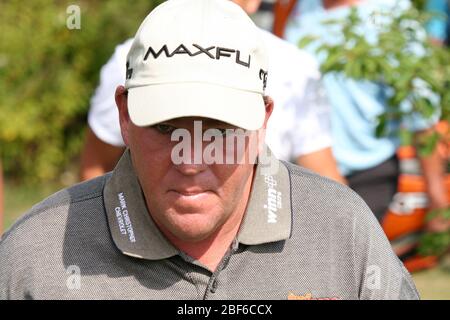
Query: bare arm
x=323 y=163
x=97 y=157
x=433 y=172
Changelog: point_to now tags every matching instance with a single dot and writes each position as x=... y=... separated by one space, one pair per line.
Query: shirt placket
x=218 y=279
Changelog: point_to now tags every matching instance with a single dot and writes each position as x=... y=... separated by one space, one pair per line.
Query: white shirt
x=299 y=123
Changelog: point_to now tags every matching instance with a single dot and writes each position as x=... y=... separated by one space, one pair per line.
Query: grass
x=431 y=284
x=434 y=284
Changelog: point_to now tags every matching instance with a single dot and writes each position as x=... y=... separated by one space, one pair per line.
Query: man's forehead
x=206 y=122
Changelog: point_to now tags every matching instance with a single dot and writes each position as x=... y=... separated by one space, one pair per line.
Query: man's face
x=190 y=201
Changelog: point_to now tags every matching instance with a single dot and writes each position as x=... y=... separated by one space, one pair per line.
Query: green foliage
x=419 y=4
x=391 y=61
x=48 y=74
x=435 y=243
x=426 y=144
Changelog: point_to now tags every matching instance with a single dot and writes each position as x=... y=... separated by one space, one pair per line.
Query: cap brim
x=152 y=104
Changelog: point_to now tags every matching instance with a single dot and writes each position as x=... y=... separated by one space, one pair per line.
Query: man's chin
x=193 y=237
x=194 y=227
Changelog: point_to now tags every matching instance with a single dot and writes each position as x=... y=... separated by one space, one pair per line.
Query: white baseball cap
x=199 y=58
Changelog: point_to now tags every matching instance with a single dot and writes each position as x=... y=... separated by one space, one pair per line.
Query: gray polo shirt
x=303 y=237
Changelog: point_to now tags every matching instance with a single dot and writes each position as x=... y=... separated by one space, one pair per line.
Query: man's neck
x=210 y=251
x=332 y=4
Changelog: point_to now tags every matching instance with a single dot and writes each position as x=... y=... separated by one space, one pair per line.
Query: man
x=158 y=227
x=368 y=163
x=298 y=130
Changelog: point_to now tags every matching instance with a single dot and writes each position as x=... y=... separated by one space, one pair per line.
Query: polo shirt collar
x=268 y=217
x=269 y=211
x=133 y=230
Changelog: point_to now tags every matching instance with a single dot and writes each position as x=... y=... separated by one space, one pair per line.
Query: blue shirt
x=355 y=104
x=439 y=27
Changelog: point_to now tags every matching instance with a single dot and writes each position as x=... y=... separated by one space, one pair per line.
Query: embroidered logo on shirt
x=123 y=219
x=307 y=296
x=273 y=199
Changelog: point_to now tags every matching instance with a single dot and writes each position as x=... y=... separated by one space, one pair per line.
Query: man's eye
x=223 y=132
x=218 y=131
x=164 y=128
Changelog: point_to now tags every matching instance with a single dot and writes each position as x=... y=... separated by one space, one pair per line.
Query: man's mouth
x=190 y=192
x=190 y=198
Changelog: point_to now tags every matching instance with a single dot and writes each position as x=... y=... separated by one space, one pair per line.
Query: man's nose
x=191 y=169
x=192 y=163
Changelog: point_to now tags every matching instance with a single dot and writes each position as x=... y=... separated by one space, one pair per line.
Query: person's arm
x=97 y=157
x=103 y=143
x=312 y=142
x=323 y=163
x=433 y=172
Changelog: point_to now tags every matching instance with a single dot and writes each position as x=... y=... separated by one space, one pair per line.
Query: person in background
x=368 y=163
x=439 y=27
x=299 y=126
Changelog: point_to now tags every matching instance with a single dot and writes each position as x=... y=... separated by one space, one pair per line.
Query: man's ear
x=124 y=117
x=268 y=102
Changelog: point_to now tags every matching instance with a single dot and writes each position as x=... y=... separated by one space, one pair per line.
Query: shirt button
x=214 y=286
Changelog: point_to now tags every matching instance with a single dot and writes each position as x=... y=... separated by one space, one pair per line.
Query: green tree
x=391 y=61
x=48 y=73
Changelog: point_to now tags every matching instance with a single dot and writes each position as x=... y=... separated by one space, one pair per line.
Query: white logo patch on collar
x=123 y=219
x=274 y=197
